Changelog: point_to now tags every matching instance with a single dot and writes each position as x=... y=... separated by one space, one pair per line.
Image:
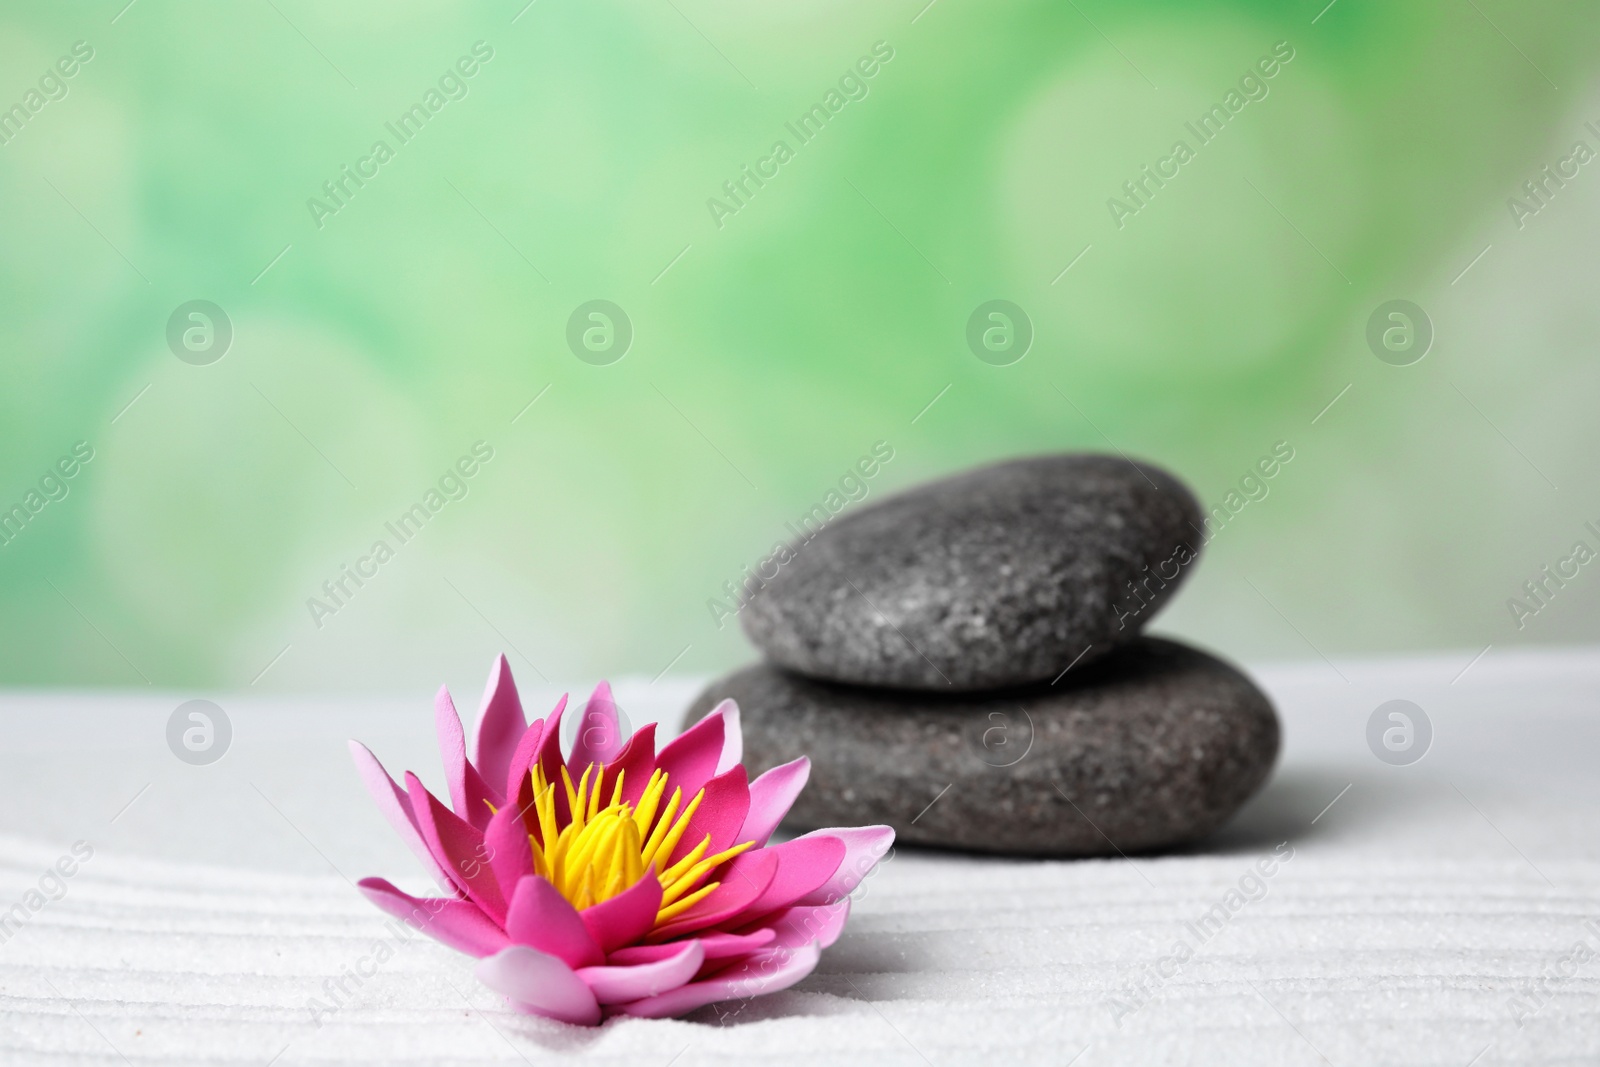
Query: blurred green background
x=773 y=346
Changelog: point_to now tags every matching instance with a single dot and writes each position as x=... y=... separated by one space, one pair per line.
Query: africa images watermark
x=338 y=191
x=1139 y=191
x=398 y=933
x=1541 y=189
x=815 y=923
x=52 y=86
x=1539 y=591
x=54 y=484
x=1251 y=888
x=1534 y=993
x=852 y=488
x=853 y=85
x=337 y=592
x=1253 y=486
x=52 y=886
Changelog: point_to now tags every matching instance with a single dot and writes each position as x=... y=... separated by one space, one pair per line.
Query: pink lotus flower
x=619 y=880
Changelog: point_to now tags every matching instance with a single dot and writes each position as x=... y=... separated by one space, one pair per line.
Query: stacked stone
x=965 y=662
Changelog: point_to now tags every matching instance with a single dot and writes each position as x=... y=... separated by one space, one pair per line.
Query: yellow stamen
x=573 y=807
x=594 y=794
x=663 y=825
x=600 y=849
x=628 y=868
x=686 y=881
x=670 y=842
x=541 y=866
x=649 y=801
x=547 y=817
x=672 y=911
x=672 y=873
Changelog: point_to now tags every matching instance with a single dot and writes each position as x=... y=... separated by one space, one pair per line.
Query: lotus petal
x=539 y=984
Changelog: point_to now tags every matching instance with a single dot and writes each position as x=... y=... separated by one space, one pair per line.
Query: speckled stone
x=1153 y=747
x=998 y=576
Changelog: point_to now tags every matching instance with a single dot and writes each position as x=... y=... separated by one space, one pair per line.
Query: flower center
x=605 y=849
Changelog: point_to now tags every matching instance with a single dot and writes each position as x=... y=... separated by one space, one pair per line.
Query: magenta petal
x=732 y=736
x=632 y=955
x=539 y=984
x=725 y=946
x=548 y=754
x=459 y=848
x=613 y=985
x=452 y=749
x=743 y=880
x=396 y=807
x=799 y=926
x=764 y=972
x=721 y=815
x=548 y=757
x=521 y=765
x=691 y=758
x=457 y=923
x=599 y=732
x=626 y=917
x=469 y=795
x=541 y=917
x=864 y=847
x=771 y=797
x=505 y=840
x=719 y=948
x=804 y=865
x=635 y=763
x=500 y=724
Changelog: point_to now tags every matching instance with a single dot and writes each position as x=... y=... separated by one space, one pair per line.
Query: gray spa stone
x=1153 y=747
x=998 y=576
